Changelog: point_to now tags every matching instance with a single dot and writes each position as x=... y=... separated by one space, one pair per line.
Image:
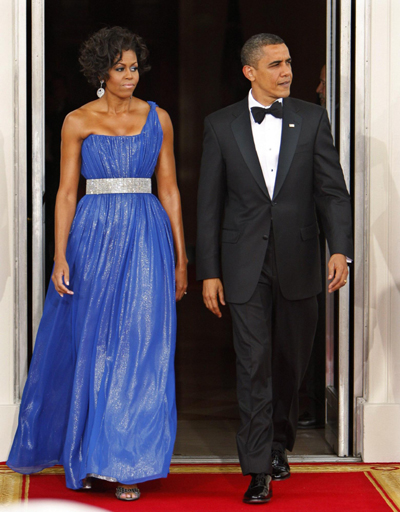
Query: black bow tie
x=259 y=113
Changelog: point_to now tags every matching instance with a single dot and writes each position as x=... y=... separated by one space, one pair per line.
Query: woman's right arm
x=71 y=143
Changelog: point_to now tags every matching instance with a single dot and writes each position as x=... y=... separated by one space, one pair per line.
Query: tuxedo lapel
x=291 y=127
x=241 y=128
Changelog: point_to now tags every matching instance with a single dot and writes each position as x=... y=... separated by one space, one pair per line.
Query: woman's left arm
x=168 y=194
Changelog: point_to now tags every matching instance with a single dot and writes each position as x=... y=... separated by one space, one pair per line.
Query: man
x=268 y=164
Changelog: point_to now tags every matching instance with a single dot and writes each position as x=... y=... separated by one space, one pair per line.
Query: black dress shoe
x=260 y=490
x=280 y=465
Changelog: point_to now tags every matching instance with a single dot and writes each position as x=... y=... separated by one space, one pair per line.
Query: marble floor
x=216 y=438
x=207 y=427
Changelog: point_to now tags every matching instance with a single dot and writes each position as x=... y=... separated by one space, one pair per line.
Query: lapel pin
x=291 y=125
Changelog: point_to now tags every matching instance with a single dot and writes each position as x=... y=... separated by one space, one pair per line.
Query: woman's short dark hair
x=252 y=48
x=104 y=48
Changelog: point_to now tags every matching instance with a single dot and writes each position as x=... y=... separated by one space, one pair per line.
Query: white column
x=8 y=410
x=381 y=412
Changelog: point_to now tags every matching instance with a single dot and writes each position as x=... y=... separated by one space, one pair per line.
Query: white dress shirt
x=267 y=140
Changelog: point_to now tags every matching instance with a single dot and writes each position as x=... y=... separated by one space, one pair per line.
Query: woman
x=100 y=396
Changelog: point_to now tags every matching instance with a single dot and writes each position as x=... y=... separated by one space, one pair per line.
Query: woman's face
x=124 y=75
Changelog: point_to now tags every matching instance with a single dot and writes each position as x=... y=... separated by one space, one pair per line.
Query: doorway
x=195 y=70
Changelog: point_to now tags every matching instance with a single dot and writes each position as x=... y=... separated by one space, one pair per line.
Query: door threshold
x=305 y=459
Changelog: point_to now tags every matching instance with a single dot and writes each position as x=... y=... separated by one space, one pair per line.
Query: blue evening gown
x=100 y=394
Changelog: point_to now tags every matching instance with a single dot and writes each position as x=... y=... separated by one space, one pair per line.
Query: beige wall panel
x=383 y=393
x=380 y=274
x=381 y=433
x=6 y=203
x=394 y=206
x=8 y=411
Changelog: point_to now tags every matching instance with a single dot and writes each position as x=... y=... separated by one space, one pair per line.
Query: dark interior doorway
x=194 y=53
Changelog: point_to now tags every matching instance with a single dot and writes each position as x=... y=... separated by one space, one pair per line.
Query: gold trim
x=390 y=482
x=27 y=485
x=10 y=488
x=343 y=468
x=203 y=468
x=235 y=468
x=55 y=470
x=295 y=468
x=371 y=479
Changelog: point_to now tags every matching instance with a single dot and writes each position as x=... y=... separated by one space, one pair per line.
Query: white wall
x=382 y=409
x=8 y=410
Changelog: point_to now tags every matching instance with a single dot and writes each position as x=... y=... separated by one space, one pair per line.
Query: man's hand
x=337 y=268
x=212 y=290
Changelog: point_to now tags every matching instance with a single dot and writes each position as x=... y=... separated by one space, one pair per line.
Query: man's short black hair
x=252 y=48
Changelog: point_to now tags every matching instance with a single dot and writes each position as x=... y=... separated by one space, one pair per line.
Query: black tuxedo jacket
x=235 y=211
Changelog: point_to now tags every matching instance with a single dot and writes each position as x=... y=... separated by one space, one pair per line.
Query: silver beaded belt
x=119 y=186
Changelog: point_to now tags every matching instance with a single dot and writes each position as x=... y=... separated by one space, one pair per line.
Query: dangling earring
x=101 y=91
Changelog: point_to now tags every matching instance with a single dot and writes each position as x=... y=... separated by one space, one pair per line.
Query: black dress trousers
x=273 y=339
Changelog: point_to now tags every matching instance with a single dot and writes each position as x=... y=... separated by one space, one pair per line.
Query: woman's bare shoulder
x=162 y=113
x=164 y=118
x=78 y=121
x=139 y=104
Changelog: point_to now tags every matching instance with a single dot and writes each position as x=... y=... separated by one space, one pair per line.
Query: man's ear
x=248 y=72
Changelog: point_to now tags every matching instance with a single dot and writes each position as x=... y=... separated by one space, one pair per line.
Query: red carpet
x=210 y=488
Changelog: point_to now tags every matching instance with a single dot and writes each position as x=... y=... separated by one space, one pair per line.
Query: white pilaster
x=8 y=410
x=381 y=412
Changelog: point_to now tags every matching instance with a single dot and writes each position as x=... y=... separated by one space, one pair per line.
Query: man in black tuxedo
x=268 y=165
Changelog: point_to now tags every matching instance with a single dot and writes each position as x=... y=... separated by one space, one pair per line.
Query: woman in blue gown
x=100 y=394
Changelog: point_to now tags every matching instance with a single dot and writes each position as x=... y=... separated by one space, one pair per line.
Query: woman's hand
x=181 y=282
x=61 y=270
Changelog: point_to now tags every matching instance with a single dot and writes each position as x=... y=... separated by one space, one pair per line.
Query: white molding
x=361 y=218
x=8 y=425
x=20 y=201
x=381 y=411
x=344 y=293
x=38 y=162
x=378 y=136
x=381 y=432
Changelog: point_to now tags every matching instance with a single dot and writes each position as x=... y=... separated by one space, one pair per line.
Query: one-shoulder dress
x=100 y=393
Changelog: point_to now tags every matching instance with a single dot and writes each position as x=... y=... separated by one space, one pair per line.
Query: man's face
x=272 y=76
x=321 y=89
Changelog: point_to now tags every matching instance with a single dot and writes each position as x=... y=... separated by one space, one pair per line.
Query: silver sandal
x=87 y=483
x=134 y=491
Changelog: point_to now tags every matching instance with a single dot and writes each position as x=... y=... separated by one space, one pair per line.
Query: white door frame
x=38 y=162
x=20 y=201
x=361 y=217
x=338 y=397
x=359 y=272
x=20 y=182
